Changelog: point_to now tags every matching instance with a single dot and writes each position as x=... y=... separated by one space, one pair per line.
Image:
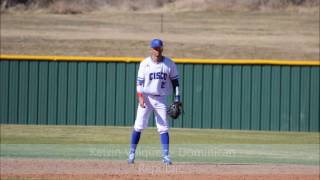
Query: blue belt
x=156 y=95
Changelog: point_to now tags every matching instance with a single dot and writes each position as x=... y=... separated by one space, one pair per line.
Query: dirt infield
x=98 y=169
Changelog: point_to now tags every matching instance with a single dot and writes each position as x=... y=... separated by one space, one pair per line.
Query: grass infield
x=187 y=145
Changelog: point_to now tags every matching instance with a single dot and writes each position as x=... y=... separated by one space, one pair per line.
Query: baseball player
x=157 y=78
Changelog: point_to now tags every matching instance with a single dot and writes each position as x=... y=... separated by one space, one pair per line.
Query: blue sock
x=135 y=137
x=164 y=138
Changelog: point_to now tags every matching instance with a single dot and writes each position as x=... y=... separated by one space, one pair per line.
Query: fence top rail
x=177 y=60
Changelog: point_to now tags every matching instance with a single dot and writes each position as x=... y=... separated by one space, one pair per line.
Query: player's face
x=156 y=52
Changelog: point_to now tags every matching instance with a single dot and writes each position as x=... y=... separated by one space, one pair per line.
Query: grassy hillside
x=214 y=35
x=83 y=6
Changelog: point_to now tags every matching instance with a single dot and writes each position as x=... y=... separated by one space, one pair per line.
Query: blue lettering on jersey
x=158 y=75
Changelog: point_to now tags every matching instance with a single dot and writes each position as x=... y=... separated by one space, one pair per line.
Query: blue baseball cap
x=155 y=43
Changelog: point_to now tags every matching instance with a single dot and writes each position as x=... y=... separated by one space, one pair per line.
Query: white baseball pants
x=156 y=104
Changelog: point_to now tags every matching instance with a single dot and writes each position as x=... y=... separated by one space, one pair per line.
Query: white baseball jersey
x=156 y=80
x=156 y=77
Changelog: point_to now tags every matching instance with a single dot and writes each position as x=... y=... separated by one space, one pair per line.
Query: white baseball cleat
x=131 y=158
x=166 y=160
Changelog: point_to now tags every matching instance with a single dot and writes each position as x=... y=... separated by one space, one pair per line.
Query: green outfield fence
x=271 y=95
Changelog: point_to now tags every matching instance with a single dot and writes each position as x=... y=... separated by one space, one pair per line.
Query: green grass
x=187 y=145
x=38 y=134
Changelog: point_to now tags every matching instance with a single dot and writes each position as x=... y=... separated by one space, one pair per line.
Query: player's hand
x=141 y=101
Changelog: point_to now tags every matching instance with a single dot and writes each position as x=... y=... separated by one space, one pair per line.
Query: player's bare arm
x=139 y=94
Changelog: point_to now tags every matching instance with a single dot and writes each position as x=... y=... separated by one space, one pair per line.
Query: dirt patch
x=98 y=169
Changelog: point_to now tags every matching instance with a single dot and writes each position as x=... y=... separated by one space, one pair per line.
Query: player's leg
x=163 y=127
x=141 y=123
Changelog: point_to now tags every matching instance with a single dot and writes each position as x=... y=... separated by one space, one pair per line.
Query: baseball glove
x=174 y=110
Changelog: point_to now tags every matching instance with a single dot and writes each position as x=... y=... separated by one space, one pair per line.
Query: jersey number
x=163 y=83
